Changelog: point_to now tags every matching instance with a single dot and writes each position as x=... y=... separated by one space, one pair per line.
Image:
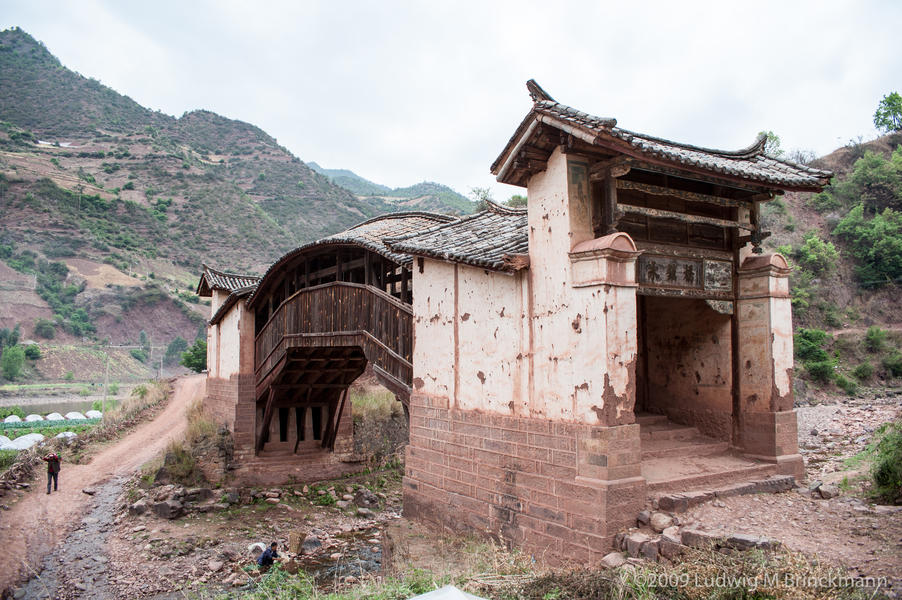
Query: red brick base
x=773 y=437
x=559 y=490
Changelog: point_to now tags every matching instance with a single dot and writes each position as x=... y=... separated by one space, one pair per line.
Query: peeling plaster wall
x=228 y=346
x=531 y=344
x=689 y=363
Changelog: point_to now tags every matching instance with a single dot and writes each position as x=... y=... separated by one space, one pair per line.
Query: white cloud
x=401 y=92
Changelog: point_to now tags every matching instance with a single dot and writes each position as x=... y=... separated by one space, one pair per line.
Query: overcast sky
x=403 y=92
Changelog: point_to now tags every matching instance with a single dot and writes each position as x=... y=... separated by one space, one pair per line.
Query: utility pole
x=106 y=385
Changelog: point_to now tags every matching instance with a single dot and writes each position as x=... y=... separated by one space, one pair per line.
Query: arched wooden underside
x=319 y=340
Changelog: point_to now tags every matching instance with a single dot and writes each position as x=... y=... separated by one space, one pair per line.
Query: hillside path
x=38 y=522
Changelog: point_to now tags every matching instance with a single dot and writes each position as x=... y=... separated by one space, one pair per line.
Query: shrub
x=820 y=371
x=893 y=364
x=32 y=352
x=887 y=468
x=7 y=411
x=848 y=386
x=113 y=389
x=138 y=354
x=876 y=242
x=129 y=185
x=817 y=255
x=44 y=328
x=863 y=371
x=875 y=339
x=69 y=376
x=808 y=345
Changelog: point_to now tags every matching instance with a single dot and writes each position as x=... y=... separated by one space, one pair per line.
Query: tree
x=174 y=349
x=196 y=357
x=888 y=117
x=12 y=362
x=516 y=200
x=772 y=145
x=481 y=197
x=32 y=352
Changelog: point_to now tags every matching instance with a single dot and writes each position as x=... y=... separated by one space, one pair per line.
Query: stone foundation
x=773 y=437
x=559 y=490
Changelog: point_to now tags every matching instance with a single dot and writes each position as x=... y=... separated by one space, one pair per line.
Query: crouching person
x=267 y=558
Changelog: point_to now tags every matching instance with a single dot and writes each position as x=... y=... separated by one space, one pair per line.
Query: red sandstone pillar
x=766 y=418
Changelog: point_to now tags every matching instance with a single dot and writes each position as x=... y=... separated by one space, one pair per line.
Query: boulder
x=137 y=509
x=366 y=499
x=169 y=509
x=162 y=476
x=643 y=518
x=200 y=494
x=698 y=539
x=232 y=498
x=311 y=545
x=741 y=541
x=650 y=550
x=829 y=491
x=634 y=544
x=669 y=550
x=672 y=534
x=256 y=549
x=613 y=560
x=272 y=500
x=659 y=522
x=364 y=512
x=291 y=567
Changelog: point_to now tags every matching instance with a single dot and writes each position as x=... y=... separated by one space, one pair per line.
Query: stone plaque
x=665 y=271
x=718 y=275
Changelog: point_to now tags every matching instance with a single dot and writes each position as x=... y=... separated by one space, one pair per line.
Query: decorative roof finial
x=536 y=92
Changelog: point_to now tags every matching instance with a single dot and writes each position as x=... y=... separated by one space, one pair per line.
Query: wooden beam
x=304 y=386
x=405 y=279
x=530 y=164
x=330 y=441
x=656 y=190
x=267 y=419
x=619 y=166
x=533 y=153
x=307 y=272
x=694 y=176
x=666 y=214
x=367 y=268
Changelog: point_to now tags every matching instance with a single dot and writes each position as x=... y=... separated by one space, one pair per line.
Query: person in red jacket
x=53 y=469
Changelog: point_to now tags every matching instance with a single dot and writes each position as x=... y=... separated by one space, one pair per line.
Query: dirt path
x=38 y=522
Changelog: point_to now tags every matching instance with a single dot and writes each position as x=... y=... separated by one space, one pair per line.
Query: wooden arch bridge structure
x=322 y=313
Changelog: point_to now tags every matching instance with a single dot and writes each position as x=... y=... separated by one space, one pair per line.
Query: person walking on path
x=53 y=469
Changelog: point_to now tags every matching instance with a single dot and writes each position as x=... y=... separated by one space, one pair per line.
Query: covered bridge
x=283 y=349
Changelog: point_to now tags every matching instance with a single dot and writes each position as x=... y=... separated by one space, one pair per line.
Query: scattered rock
x=643 y=518
x=166 y=572
x=829 y=491
x=613 y=560
x=366 y=499
x=659 y=522
x=698 y=539
x=89 y=491
x=364 y=512
x=215 y=565
x=672 y=534
x=272 y=500
x=170 y=509
x=634 y=544
x=137 y=509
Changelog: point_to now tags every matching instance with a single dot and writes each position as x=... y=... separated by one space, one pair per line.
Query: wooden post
x=339 y=263
x=367 y=267
x=405 y=279
x=341 y=408
x=610 y=202
x=306 y=272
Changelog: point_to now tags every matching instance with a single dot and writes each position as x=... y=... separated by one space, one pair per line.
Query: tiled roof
x=234 y=297
x=211 y=279
x=750 y=164
x=369 y=235
x=480 y=240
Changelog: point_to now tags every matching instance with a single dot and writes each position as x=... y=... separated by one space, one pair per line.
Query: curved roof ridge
x=500 y=209
x=403 y=214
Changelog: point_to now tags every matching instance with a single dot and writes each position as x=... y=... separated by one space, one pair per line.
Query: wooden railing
x=341 y=314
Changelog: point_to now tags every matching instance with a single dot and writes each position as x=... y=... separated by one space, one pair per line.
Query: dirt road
x=38 y=522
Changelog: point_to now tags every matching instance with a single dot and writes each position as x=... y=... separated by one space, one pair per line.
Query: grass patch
x=7 y=458
x=200 y=426
x=374 y=405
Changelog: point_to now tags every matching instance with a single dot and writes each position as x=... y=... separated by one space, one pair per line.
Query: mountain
x=422 y=196
x=109 y=208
